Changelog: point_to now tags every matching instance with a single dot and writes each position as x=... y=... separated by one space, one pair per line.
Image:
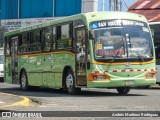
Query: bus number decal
x=110 y=52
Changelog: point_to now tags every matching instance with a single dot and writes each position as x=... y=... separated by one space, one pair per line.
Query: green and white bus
x=155 y=26
x=92 y=50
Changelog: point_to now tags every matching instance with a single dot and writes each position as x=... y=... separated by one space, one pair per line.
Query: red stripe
x=139 y=70
x=114 y=70
x=145 y=69
x=131 y=70
x=123 y=70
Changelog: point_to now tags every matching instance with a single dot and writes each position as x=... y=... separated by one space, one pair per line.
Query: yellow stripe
x=123 y=63
x=24 y=102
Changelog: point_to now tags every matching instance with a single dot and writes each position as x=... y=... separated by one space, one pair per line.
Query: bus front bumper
x=120 y=83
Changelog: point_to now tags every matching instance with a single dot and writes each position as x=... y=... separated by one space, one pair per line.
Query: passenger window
x=7 y=47
x=35 y=41
x=48 y=37
x=54 y=38
x=25 y=45
x=64 y=37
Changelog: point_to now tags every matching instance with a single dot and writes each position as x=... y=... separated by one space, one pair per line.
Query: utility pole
x=115 y=5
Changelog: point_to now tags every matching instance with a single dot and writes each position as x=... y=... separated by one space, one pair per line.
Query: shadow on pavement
x=49 y=92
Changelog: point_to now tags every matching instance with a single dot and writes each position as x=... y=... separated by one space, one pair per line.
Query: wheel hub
x=69 y=82
x=23 y=81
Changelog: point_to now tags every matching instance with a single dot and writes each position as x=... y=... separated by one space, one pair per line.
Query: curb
x=25 y=102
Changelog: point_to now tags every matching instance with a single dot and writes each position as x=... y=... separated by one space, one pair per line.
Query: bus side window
x=157 y=53
x=7 y=47
x=24 y=47
x=64 y=38
x=35 y=41
x=81 y=45
x=47 y=37
x=54 y=38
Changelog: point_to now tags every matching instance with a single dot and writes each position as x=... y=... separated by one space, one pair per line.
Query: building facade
x=21 y=9
x=16 y=14
x=149 y=8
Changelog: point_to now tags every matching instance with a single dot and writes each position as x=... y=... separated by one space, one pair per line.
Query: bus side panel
x=8 y=70
x=61 y=60
x=33 y=66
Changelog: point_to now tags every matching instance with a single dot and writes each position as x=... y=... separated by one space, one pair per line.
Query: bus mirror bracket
x=152 y=32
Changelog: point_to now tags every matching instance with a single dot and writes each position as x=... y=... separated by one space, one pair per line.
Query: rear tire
x=24 y=81
x=70 y=83
x=123 y=90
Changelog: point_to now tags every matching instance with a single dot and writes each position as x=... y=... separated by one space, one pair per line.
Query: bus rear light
x=150 y=75
x=98 y=76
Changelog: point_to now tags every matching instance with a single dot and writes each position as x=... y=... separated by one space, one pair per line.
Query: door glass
x=14 y=44
x=81 y=57
x=81 y=49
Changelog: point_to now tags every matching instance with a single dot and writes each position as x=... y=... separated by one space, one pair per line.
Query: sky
x=106 y=4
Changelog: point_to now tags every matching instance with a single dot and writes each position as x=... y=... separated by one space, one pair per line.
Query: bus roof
x=88 y=17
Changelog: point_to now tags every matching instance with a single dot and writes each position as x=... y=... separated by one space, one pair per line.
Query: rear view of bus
x=122 y=52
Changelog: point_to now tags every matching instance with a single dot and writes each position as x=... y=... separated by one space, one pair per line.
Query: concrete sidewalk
x=10 y=100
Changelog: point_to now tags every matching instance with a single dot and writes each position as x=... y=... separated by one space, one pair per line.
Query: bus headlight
x=98 y=76
x=150 y=75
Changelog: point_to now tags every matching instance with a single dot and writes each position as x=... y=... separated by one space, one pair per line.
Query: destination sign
x=115 y=23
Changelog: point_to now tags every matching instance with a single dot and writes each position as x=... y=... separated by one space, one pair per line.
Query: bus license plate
x=129 y=83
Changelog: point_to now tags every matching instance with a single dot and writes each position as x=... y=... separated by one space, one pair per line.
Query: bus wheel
x=70 y=83
x=24 y=81
x=123 y=90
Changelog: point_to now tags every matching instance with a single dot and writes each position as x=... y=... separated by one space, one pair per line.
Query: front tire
x=123 y=90
x=70 y=83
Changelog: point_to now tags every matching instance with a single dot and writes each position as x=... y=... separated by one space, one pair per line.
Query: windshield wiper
x=114 y=57
x=140 y=57
x=122 y=45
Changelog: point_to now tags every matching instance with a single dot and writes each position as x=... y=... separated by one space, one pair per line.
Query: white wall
x=89 y=6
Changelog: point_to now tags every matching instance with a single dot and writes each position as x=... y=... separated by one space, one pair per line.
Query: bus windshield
x=121 y=39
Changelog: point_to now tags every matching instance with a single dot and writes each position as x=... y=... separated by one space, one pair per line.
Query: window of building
x=70 y=7
x=36 y=8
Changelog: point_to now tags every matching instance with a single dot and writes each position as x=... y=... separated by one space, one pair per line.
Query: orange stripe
x=47 y=53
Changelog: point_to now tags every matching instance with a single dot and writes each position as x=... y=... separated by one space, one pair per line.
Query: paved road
x=89 y=100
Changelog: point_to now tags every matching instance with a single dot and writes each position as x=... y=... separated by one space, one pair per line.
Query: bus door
x=157 y=52
x=81 y=56
x=14 y=58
